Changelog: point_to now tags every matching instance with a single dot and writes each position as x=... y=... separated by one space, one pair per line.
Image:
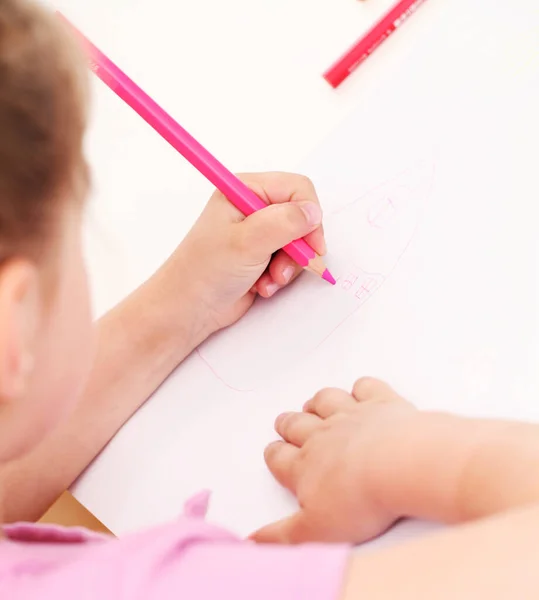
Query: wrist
x=177 y=314
x=501 y=471
x=453 y=469
x=418 y=470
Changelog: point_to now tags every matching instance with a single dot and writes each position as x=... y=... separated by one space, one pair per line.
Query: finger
x=283 y=269
x=276 y=187
x=317 y=241
x=280 y=188
x=296 y=428
x=329 y=402
x=268 y=230
x=266 y=286
x=281 y=459
x=296 y=529
x=369 y=388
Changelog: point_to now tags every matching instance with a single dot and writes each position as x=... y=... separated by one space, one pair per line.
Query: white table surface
x=245 y=78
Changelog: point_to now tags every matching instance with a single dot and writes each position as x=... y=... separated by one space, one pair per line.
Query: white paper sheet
x=367 y=238
x=431 y=195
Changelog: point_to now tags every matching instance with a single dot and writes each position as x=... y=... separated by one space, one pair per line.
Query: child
x=356 y=461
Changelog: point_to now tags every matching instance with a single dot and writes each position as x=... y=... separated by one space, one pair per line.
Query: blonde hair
x=42 y=121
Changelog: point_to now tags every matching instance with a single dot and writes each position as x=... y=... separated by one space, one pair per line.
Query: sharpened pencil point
x=328 y=277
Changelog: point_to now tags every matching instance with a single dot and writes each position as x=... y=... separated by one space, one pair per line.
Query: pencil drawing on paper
x=367 y=239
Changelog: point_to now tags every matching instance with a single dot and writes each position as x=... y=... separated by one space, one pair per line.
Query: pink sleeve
x=243 y=571
x=189 y=560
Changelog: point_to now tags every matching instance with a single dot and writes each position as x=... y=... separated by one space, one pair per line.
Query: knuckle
x=250 y=179
x=323 y=397
x=318 y=398
x=291 y=423
x=308 y=406
x=366 y=386
x=293 y=216
x=326 y=427
x=305 y=182
x=328 y=392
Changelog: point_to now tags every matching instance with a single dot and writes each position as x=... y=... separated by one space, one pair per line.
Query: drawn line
x=428 y=194
x=427 y=198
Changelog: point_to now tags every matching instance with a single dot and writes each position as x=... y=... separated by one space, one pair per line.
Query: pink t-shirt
x=189 y=560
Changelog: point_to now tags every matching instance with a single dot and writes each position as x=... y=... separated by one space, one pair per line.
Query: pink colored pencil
x=388 y=24
x=244 y=199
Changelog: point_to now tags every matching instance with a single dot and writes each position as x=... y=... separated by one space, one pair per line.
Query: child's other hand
x=331 y=459
x=226 y=259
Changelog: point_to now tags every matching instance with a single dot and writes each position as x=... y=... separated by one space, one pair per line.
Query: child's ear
x=19 y=319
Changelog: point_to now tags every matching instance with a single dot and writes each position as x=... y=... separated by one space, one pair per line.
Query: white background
x=455 y=325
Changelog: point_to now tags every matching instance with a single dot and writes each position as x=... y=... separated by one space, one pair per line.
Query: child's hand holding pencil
x=227 y=259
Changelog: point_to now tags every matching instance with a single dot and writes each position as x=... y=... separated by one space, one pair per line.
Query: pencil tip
x=328 y=277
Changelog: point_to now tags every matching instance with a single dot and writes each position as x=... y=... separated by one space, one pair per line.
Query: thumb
x=270 y=229
x=292 y=530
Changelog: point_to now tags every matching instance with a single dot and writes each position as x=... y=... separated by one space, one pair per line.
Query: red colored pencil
x=348 y=63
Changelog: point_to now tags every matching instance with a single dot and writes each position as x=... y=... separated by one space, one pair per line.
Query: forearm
x=495 y=558
x=139 y=343
x=453 y=469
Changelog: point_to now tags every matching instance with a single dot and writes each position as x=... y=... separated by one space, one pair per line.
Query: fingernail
x=312 y=212
x=288 y=272
x=271 y=288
